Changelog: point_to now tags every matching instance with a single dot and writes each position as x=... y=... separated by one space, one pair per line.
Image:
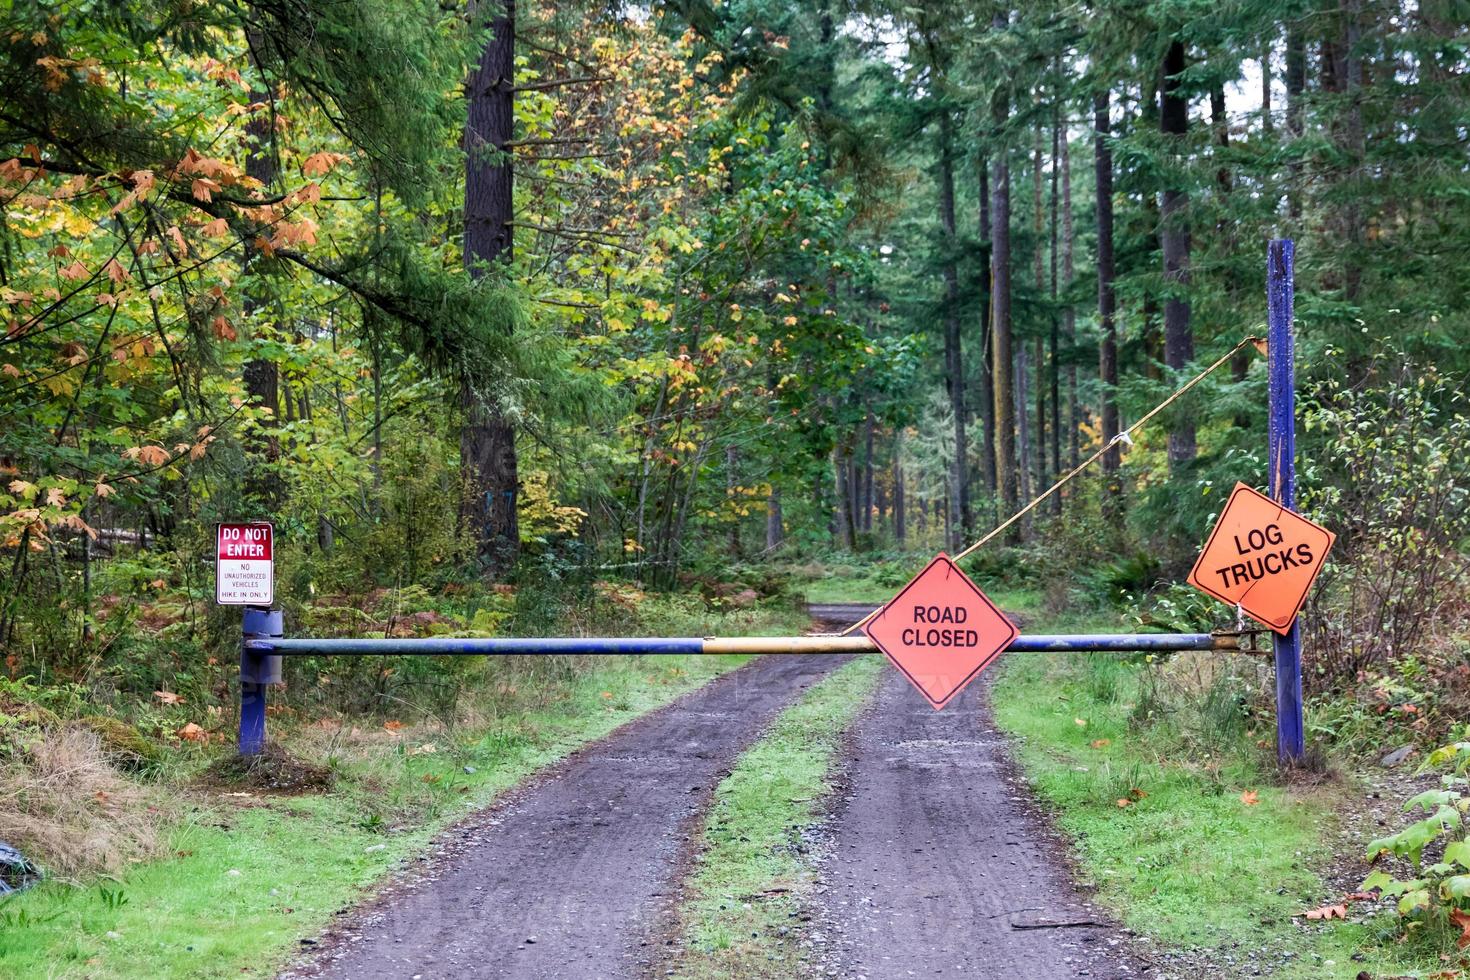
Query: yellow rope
x=1123 y=436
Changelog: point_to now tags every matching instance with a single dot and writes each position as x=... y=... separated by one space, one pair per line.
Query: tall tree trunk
x=732 y=496
x=1220 y=126
x=960 y=521
x=1352 y=272
x=1296 y=87
x=262 y=381
x=1225 y=230
x=1174 y=242
x=487 y=440
x=987 y=370
x=1268 y=125
x=845 y=536
x=1330 y=66
x=900 y=524
x=867 y=499
x=1000 y=317
x=1107 y=303
x=1069 y=312
x=775 y=533
x=1021 y=390
x=1054 y=341
x=1038 y=236
x=854 y=492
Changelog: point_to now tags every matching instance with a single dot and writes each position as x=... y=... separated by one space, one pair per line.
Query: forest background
x=559 y=317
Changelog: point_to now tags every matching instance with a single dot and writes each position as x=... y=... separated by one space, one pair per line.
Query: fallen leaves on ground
x=428 y=748
x=1461 y=918
x=1134 y=795
x=393 y=726
x=1081 y=722
x=1101 y=743
x=168 y=697
x=193 y=733
x=1250 y=798
x=1338 y=909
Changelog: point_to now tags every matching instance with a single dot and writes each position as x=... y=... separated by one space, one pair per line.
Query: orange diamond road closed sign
x=1262 y=557
x=941 y=631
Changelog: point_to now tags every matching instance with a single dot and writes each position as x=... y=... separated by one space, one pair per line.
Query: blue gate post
x=1280 y=363
x=257 y=670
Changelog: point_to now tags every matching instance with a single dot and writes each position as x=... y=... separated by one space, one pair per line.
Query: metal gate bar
x=624 y=645
x=264 y=646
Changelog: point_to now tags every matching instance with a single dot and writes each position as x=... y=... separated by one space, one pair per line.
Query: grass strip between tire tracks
x=742 y=900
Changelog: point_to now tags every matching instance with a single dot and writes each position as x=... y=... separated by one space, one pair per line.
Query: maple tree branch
x=547 y=141
x=558 y=82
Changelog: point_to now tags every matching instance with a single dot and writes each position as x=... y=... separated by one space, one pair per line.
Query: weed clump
x=274 y=770
x=125 y=746
x=65 y=806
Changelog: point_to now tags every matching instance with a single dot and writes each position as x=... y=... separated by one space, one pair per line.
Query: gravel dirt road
x=570 y=876
x=938 y=862
x=941 y=865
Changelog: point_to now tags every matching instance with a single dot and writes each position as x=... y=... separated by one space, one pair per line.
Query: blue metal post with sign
x=1280 y=362
x=257 y=670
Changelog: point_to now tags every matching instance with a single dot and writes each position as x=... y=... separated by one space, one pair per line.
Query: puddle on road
x=945 y=753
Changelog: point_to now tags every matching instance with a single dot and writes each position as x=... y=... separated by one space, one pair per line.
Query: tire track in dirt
x=571 y=875
x=940 y=863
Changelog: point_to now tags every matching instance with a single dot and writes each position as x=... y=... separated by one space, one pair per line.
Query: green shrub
x=1431 y=894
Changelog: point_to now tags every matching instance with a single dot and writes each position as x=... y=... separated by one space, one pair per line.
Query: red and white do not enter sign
x=244 y=569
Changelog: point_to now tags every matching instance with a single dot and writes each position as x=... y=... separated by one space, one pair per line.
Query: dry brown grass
x=69 y=811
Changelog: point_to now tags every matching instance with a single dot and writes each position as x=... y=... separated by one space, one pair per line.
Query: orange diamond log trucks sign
x=1262 y=557
x=941 y=631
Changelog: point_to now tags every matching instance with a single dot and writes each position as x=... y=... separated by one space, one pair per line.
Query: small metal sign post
x=1291 y=742
x=244 y=575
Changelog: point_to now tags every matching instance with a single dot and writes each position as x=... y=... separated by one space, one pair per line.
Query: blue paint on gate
x=1281 y=358
x=592 y=645
x=473 y=646
x=258 y=669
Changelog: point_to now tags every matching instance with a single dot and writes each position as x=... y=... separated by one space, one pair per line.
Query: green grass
x=853 y=583
x=1187 y=862
x=742 y=898
x=250 y=876
x=879 y=581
